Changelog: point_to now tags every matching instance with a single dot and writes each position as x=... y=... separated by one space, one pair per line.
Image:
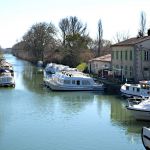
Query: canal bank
x=111 y=86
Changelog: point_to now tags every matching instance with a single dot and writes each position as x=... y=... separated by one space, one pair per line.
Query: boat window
x=66 y=81
x=127 y=87
x=78 y=82
x=85 y=82
x=145 y=86
x=138 y=89
x=73 y=81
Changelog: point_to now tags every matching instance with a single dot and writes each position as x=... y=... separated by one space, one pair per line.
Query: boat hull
x=145 y=136
x=58 y=87
x=73 y=88
x=7 y=82
x=140 y=114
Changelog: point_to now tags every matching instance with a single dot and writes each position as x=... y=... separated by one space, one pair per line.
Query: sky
x=117 y=16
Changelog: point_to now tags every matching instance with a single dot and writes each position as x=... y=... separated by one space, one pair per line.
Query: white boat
x=140 y=108
x=40 y=63
x=6 y=66
x=145 y=135
x=52 y=68
x=142 y=89
x=72 y=81
x=6 y=79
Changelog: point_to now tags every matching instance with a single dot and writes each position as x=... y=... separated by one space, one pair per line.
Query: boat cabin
x=145 y=85
x=73 y=78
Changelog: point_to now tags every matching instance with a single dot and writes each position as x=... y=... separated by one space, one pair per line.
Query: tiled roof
x=132 y=41
x=105 y=58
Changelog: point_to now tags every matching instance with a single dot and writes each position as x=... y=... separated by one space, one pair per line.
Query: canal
x=34 y=118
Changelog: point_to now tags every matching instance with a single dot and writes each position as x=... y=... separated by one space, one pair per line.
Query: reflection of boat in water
x=72 y=81
x=145 y=135
x=140 y=108
x=142 y=89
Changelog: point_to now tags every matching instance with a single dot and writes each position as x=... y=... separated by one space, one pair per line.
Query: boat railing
x=135 y=100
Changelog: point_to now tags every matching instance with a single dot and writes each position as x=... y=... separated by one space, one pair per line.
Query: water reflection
x=32 y=79
x=56 y=116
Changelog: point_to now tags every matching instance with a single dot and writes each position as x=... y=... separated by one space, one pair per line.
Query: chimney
x=148 y=32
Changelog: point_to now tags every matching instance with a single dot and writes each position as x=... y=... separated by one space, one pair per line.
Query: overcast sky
x=123 y=16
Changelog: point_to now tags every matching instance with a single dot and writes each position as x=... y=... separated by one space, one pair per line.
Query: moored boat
x=145 y=136
x=72 y=81
x=140 y=108
x=6 y=74
x=6 y=79
x=141 y=90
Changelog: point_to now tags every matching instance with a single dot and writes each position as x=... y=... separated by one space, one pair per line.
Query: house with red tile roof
x=98 y=64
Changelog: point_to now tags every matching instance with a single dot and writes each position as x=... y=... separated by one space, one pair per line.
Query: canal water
x=33 y=117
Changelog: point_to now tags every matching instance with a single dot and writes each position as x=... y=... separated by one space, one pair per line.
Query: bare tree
x=64 y=25
x=142 y=24
x=121 y=37
x=100 y=36
x=39 y=37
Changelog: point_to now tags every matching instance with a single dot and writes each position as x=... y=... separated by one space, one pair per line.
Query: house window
x=126 y=55
x=131 y=70
x=126 y=70
x=116 y=54
x=131 y=55
x=121 y=55
x=96 y=65
x=146 y=58
x=146 y=69
x=113 y=55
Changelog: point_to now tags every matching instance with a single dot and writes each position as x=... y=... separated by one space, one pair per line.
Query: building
x=131 y=59
x=99 y=64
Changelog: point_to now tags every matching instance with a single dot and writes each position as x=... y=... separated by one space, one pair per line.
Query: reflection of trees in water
x=102 y=99
x=73 y=102
x=32 y=78
x=5 y=107
x=122 y=117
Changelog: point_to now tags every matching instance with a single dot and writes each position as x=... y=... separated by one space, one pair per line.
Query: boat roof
x=144 y=82
x=133 y=85
x=72 y=74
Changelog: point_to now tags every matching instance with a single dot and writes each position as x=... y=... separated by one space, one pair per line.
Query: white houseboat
x=6 y=79
x=140 y=108
x=72 y=81
x=141 y=90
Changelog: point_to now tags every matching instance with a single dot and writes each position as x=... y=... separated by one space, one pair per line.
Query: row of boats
x=138 y=97
x=63 y=78
x=6 y=74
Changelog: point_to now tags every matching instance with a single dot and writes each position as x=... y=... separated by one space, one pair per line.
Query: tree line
x=71 y=46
